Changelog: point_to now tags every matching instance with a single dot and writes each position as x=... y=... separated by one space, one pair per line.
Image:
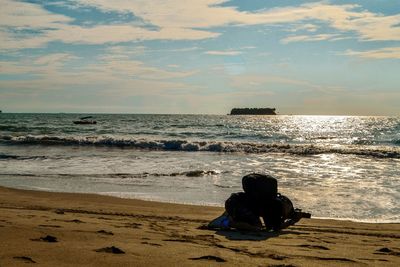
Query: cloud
x=208 y=14
x=223 y=53
x=248 y=47
x=383 y=53
x=22 y=25
x=54 y=59
x=123 y=52
x=118 y=61
x=111 y=73
x=304 y=27
x=134 y=69
x=28 y=15
x=37 y=66
x=124 y=33
x=263 y=82
x=308 y=38
x=28 y=25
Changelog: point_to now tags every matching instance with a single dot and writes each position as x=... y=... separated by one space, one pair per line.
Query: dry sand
x=59 y=229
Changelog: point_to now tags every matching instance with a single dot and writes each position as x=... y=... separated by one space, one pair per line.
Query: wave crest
x=210 y=146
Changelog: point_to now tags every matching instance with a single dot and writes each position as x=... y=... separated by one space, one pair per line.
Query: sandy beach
x=62 y=229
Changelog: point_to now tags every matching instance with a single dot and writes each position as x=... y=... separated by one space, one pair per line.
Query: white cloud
x=206 y=14
x=383 y=53
x=28 y=25
x=263 y=82
x=124 y=33
x=223 y=53
x=39 y=66
x=54 y=59
x=111 y=71
x=248 y=47
x=308 y=38
x=132 y=69
x=177 y=20
x=24 y=15
x=24 y=25
x=304 y=27
x=118 y=61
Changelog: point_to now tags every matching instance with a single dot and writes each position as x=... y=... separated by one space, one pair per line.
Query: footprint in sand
x=75 y=221
x=129 y=225
x=50 y=225
x=151 y=244
x=112 y=249
x=59 y=211
x=277 y=257
x=313 y=247
x=209 y=258
x=25 y=259
x=104 y=232
x=157 y=227
x=387 y=251
x=47 y=238
x=68 y=221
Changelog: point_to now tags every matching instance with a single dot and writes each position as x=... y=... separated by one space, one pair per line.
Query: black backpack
x=260 y=187
x=286 y=206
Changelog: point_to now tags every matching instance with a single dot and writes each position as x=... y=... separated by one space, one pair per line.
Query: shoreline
x=102 y=230
x=205 y=205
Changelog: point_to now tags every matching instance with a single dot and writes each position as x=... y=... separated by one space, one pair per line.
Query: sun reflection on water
x=313 y=129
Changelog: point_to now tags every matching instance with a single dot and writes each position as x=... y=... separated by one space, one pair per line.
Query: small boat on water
x=85 y=120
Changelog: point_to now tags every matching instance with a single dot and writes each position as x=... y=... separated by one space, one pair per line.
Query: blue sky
x=204 y=56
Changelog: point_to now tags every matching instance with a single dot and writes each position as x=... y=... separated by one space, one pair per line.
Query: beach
x=70 y=229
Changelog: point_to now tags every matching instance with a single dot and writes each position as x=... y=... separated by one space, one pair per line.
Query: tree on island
x=253 y=111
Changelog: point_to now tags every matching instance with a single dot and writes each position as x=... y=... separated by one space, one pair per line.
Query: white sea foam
x=211 y=146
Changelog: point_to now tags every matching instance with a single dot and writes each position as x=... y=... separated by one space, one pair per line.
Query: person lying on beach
x=260 y=199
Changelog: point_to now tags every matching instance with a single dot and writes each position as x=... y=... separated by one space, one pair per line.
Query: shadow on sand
x=246 y=235
x=251 y=236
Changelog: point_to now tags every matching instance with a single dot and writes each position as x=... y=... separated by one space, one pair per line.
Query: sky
x=334 y=57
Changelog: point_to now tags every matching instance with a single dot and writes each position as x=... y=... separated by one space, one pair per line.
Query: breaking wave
x=210 y=146
x=193 y=173
x=15 y=157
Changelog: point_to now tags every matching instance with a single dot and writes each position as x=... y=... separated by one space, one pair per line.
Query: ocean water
x=340 y=167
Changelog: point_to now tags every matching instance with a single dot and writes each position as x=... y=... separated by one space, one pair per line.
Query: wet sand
x=61 y=229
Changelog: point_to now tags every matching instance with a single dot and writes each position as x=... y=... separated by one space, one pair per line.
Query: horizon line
x=211 y=114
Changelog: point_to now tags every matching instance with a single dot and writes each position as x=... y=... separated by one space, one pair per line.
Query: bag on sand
x=219 y=223
x=279 y=213
x=260 y=187
x=286 y=205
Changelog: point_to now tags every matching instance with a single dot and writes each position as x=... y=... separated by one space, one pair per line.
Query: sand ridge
x=61 y=229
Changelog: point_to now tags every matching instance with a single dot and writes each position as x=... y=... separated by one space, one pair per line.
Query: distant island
x=253 y=111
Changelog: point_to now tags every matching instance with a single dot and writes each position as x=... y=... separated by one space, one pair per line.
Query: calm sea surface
x=332 y=166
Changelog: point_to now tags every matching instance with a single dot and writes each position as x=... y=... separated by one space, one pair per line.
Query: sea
x=340 y=167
